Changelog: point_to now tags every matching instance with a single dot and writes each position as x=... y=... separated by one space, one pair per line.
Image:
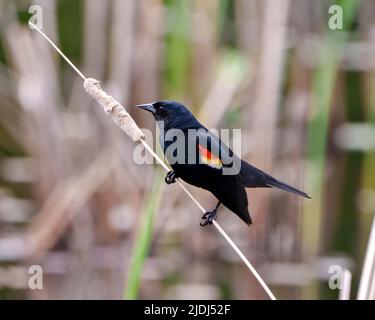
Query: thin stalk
x=58 y=50
x=368 y=272
x=346 y=285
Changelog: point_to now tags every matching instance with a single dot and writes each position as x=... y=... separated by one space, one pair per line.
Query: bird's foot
x=209 y=216
x=170 y=177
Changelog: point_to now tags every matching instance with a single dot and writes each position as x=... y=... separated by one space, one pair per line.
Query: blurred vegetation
x=103 y=227
x=144 y=238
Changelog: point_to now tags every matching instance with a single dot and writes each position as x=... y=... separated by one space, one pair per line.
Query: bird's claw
x=170 y=177
x=209 y=216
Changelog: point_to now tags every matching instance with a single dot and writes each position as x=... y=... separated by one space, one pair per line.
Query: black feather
x=252 y=177
x=272 y=182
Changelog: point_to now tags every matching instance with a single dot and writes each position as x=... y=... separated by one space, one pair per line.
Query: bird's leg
x=209 y=216
x=170 y=177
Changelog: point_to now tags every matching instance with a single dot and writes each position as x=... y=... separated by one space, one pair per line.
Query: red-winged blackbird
x=211 y=158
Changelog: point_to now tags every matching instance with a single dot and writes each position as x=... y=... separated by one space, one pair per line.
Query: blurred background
x=73 y=201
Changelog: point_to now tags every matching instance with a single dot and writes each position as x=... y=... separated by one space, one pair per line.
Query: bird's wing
x=213 y=152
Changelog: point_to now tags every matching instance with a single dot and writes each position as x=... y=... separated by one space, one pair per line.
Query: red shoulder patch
x=208 y=158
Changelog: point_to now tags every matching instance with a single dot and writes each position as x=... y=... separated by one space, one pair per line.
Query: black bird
x=209 y=158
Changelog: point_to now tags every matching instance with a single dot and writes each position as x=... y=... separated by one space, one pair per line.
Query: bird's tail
x=252 y=177
x=272 y=182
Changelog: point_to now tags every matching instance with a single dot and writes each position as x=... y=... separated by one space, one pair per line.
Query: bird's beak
x=148 y=107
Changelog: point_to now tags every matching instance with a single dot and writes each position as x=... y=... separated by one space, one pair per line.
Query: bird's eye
x=161 y=110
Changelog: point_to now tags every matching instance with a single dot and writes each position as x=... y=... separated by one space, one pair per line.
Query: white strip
x=58 y=50
x=368 y=270
x=247 y=262
x=346 y=281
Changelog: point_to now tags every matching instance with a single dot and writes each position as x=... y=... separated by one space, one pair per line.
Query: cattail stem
x=368 y=273
x=128 y=125
x=58 y=50
x=346 y=281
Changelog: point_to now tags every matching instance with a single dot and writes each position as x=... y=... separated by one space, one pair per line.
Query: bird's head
x=172 y=113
